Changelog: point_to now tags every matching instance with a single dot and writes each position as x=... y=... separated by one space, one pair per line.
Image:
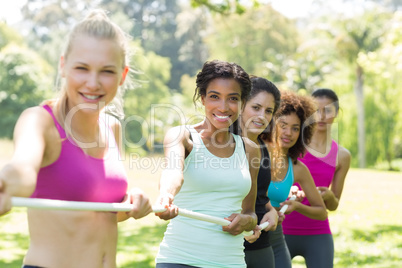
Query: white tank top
x=214 y=186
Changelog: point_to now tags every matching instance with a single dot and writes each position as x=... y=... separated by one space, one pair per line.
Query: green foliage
x=152 y=76
x=24 y=82
x=306 y=69
x=192 y=26
x=154 y=26
x=384 y=95
x=44 y=17
x=322 y=50
x=361 y=34
x=256 y=39
x=225 y=7
x=8 y=35
x=354 y=36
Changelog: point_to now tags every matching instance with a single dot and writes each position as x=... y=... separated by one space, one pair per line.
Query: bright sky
x=10 y=10
x=292 y=8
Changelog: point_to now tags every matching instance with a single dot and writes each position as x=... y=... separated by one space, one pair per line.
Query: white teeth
x=258 y=124
x=222 y=117
x=91 y=97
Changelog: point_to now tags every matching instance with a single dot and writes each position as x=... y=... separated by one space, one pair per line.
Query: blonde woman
x=68 y=149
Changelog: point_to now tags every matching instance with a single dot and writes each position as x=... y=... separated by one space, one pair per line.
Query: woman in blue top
x=294 y=128
x=211 y=171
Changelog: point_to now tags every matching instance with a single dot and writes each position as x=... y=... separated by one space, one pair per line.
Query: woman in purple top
x=68 y=149
x=328 y=163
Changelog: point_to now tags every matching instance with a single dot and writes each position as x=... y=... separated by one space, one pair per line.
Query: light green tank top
x=213 y=186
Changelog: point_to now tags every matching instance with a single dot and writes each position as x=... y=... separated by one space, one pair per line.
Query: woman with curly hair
x=328 y=163
x=294 y=126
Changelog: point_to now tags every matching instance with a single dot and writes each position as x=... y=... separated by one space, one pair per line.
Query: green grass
x=396 y=165
x=367 y=225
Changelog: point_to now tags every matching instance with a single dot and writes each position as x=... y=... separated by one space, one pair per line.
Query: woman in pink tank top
x=68 y=149
x=328 y=164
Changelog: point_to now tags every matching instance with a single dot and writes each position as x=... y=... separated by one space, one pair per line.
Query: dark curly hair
x=221 y=69
x=304 y=108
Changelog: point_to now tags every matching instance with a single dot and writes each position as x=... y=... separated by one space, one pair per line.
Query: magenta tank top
x=322 y=170
x=75 y=176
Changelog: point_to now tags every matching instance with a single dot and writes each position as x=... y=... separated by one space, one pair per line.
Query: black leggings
x=281 y=252
x=317 y=250
x=260 y=258
x=30 y=266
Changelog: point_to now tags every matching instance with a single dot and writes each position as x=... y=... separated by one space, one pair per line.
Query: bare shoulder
x=300 y=171
x=35 y=129
x=178 y=135
x=35 y=117
x=36 y=112
x=252 y=149
x=178 y=132
x=344 y=154
x=344 y=157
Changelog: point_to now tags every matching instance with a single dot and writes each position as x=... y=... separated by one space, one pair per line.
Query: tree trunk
x=360 y=117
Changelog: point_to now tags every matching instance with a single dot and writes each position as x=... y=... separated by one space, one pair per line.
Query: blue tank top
x=214 y=186
x=278 y=191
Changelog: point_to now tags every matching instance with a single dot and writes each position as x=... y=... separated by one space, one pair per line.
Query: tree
x=225 y=7
x=256 y=39
x=152 y=74
x=155 y=26
x=383 y=71
x=307 y=67
x=24 y=82
x=360 y=34
x=9 y=35
x=41 y=18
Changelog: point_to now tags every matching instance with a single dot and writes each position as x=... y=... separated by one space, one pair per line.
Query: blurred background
x=351 y=46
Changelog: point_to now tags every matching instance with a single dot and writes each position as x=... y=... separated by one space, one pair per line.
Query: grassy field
x=367 y=226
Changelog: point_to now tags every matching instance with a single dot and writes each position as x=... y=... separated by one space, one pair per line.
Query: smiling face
x=326 y=113
x=288 y=131
x=257 y=114
x=222 y=102
x=93 y=71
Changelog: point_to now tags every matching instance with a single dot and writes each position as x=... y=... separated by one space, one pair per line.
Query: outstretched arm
x=175 y=143
x=18 y=177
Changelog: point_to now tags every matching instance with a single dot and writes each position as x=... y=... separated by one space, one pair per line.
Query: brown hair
x=304 y=108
